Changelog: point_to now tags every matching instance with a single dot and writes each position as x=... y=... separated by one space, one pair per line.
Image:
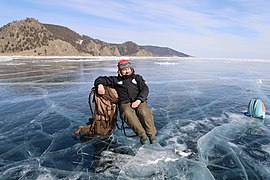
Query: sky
x=201 y=28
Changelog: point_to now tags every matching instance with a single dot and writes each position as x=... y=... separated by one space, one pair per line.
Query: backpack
x=104 y=116
x=256 y=108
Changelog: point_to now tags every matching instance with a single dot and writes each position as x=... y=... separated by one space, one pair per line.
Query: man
x=132 y=94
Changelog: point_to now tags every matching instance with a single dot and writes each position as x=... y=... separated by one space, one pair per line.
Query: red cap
x=123 y=63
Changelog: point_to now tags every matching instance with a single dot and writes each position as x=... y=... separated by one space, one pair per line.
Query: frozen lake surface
x=198 y=106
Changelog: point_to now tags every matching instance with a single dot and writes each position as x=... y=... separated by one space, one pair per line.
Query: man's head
x=124 y=67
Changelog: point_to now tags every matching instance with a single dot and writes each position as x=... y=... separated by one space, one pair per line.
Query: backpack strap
x=251 y=107
x=91 y=100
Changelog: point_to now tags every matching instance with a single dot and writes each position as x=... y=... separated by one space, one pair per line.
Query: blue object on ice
x=256 y=108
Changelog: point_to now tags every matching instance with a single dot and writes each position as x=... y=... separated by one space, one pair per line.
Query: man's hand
x=101 y=89
x=135 y=104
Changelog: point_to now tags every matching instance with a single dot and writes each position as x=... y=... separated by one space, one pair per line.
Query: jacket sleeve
x=105 y=81
x=143 y=88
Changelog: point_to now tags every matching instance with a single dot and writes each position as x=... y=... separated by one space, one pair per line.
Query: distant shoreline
x=100 y=58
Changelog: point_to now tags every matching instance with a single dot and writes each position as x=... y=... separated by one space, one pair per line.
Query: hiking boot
x=153 y=139
x=144 y=140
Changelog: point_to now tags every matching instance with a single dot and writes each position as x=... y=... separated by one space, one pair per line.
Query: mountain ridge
x=31 y=37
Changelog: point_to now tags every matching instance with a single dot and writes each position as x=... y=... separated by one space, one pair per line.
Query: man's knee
x=144 y=110
x=127 y=113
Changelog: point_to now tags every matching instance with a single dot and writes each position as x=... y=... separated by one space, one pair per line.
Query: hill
x=163 y=51
x=30 y=37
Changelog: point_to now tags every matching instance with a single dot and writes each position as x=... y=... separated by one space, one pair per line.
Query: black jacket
x=129 y=88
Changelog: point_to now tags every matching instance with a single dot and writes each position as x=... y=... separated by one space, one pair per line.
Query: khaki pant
x=140 y=120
